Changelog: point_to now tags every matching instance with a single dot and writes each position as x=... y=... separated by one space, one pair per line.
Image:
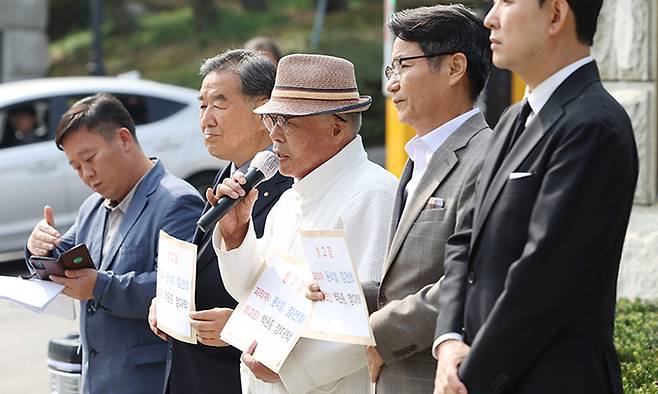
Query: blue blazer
x=120 y=353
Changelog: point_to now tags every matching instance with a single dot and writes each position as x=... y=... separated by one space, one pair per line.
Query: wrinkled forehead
x=219 y=85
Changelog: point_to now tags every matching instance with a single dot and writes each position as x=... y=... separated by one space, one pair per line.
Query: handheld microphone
x=263 y=167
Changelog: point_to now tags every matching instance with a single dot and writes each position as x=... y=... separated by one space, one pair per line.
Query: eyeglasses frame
x=390 y=70
x=275 y=121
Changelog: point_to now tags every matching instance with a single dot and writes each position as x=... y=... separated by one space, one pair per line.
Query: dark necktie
x=515 y=132
x=518 y=126
x=403 y=185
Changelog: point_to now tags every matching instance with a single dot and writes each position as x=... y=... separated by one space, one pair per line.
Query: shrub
x=636 y=339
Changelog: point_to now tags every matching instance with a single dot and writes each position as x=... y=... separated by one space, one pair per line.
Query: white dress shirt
x=537 y=98
x=117 y=211
x=421 y=149
x=346 y=192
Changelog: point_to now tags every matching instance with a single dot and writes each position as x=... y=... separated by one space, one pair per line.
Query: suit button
x=471 y=278
x=382 y=300
x=92 y=353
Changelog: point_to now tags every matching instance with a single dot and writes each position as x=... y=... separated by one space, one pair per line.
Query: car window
x=160 y=108
x=25 y=123
x=143 y=109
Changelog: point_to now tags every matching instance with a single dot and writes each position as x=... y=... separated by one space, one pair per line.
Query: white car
x=33 y=172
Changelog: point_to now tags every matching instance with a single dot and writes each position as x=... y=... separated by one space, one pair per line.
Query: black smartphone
x=46 y=266
x=75 y=258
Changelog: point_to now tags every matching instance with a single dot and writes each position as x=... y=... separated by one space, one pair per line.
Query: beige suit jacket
x=405 y=302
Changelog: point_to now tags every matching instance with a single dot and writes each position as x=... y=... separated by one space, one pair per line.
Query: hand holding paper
x=209 y=324
x=79 y=284
x=153 y=320
x=342 y=316
x=175 y=288
x=375 y=363
x=274 y=312
x=260 y=371
x=314 y=293
x=277 y=310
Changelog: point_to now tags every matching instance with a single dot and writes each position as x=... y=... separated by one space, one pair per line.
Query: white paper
x=175 y=287
x=34 y=293
x=273 y=314
x=62 y=306
x=343 y=315
x=38 y=296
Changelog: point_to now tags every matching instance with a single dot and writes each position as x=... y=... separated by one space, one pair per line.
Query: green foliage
x=166 y=47
x=67 y=16
x=636 y=339
x=365 y=51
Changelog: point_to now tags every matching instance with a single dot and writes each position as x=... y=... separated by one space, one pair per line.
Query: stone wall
x=24 y=41
x=625 y=48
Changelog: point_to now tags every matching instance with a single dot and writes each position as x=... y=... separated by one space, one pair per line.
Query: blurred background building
x=23 y=39
x=625 y=48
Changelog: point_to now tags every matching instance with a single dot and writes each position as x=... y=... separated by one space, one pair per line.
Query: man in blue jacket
x=135 y=198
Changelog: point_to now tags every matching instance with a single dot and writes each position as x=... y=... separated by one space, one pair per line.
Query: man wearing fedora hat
x=313 y=117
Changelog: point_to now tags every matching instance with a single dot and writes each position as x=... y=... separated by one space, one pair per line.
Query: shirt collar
x=245 y=167
x=331 y=170
x=539 y=96
x=125 y=203
x=435 y=138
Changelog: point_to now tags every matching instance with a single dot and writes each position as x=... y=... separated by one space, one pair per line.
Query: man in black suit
x=234 y=83
x=528 y=301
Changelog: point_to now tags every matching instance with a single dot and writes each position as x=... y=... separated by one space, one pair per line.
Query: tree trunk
x=254 y=5
x=336 y=5
x=124 y=22
x=205 y=14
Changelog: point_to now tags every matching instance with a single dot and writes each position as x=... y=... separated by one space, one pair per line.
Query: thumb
x=199 y=315
x=252 y=196
x=48 y=215
x=251 y=348
x=210 y=196
x=73 y=273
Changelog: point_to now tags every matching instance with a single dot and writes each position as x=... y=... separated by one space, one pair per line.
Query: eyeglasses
x=396 y=64
x=272 y=120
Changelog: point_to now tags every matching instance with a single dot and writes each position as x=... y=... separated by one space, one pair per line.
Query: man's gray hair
x=354 y=121
x=256 y=72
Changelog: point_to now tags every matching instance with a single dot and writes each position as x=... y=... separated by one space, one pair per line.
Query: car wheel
x=202 y=181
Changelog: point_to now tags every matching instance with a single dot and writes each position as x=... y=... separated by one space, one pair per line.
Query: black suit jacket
x=200 y=368
x=531 y=274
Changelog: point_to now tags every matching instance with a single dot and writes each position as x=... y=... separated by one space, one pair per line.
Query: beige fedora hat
x=314 y=85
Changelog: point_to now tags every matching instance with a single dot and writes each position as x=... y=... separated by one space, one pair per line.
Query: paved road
x=24 y=340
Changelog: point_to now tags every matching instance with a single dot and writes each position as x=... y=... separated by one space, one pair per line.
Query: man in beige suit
x=441 y=60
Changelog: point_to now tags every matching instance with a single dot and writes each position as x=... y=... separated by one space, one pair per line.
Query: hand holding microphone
x=238 y=191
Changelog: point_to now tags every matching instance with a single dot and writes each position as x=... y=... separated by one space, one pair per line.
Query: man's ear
x=125 y=138
x=458 y=65
x=261 y=101
x=338 y=126
x=559 y=10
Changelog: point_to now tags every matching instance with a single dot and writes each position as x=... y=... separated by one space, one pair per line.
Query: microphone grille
x=266 y=162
